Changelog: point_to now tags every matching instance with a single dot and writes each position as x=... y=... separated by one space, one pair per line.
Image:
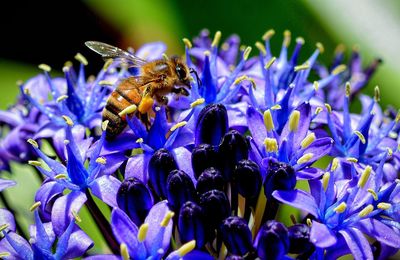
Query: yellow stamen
x=142 y=233
x=271 y=145
x=320 y=47
x=268 y=34
x=68 y=120
x=384 y=205
x=276 y=107
x=66 y=69
x=341 y=208
x=246 y=53
x=105 y=83
x=368 y=209
x=33 y=142
x=3 y=227
x=352 y=159
x=339 y=69
x=44 y=67
x=186 y=248
x=139 y=140
x=360 y=136
x=197 y=102
x=335 y=164
x=4 y=254
x=364 y=177
x=66 y=142
x=287 y=37
x=316 y=85
x=348 y=89
x=167 y=218
x=328 y=107
x=79 y=57
x=305 y=158
x=123 y=248
x=304 y=66
x=389 y=151
x=300 y=40
x=261 y=48
x=101 y=160
x=217 y=38
x=309 y=222
x=309 y=139
x=165 y=56
x=269 y=63
x=268 y=122
x=294 y=120
x=68 y=63
x=27 y=91
x=397 y=119
x=373 y=193
x=318 y=110
x=76 y=216
x=104 y=125
x=128 y=110
x=340 y=48
x=61 y=98
x=187 y=43
x=325 y=180
x=35 y=206
x=61 y=176
x=35 y=163
x=377 y=94
x=107 y=64
x=178 y=125
x=207 y=53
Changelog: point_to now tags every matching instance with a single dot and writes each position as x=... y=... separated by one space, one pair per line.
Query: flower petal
x=105 y=188
x=256 y=126
x=79 y=242
x=358 y=244
x=376 y=229
x=321 y=235
x=6 y=217
x=17 y=246
x=298 y=199
x=4 y=184
x=137 y=167
x=183 y=158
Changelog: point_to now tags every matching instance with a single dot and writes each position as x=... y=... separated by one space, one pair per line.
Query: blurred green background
x=52 y=32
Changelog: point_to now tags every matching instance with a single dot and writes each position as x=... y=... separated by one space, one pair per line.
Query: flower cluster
x=206 y=175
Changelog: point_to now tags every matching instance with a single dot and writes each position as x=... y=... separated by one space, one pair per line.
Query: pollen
x=187 y=43
x=269 y=63
x=139 y=140
x=128 y=110
x=35 y=163
x=33 y=142
x=325 y=180
x=261 y=48
x=352 y=159
x=268 y=122
x=305 y=158
x=366 y=211
x=146 y=104
x=328 y=107
x=318 y=110
x=339 y=69
x=320 y=47
x=377 y=94
x=360 y=136
x=309 y=222
x=304 y=66
x=268 y=34
x=348 y=89
x=309 y=139
x=316 y=85
x=123 y=248
x=335 y=164
x=107 y=64
x=373 y=193
x=61 y=176
x=68 y=120
x=341 y=208
x=246 y=53
x=364 y=177
x=79 y=57
x=271 y=145
x=300 y=40
x=217 y=38
x=35 y=206
x=294 y=120
x=142 y=233
x=287 y=37
x=384 y=206
x=3 y=227
x=76 y=216
x=178 y=125
x=101 y=160
x=105 y=83
x=61 y=98
x=197 y=102
x=276 y=107
x=44 y=67
x=168 y=216
x=186 y=248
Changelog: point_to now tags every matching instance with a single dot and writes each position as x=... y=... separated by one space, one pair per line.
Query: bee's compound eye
x=180 y=72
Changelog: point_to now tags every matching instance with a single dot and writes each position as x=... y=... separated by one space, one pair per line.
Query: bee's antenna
x=191 y=70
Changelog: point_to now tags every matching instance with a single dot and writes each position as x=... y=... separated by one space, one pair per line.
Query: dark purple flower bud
x=191 y=224
x=215 y=206
x=299 y=238
x=280 y=176
x=203 y=156
x=212 y=124
x=234 y=257
x=236 y=235
x=272 y=241
x=161 y=164
x=248 y=178
x=233 y=148
x=135 y=199
x=210 y=179
x=180 y=189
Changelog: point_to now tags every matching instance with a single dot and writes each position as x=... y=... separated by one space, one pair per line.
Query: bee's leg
x=162 y=100
x=180 y=91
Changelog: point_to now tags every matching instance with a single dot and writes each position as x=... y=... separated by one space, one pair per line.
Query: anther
x=217 y=38
x=44 y=67
x=246 y=53
x=368 y=209
x=35 y=206
x=304 y=66
x=68 y=120
x=61 y=176
x=178 y=125
x=187 y=43
x=294 y=120
x=309 y=222
x=61 y=98
x=104 y=125
x=377 y=94
x=287 y=37
x=207 y=53
x=271 y=145
x=79 y=57
x=384 y=206
x=66 y=142
x=339 y=69
x=340 y=48
x=4 y=254
x=360 y=136
x=268 y=122
x=167 y=218
x=341 y=208
x=335 y=164
x=107 y=64
x=123 y=248
x=76 y=216
x=66 y=69
x=105 y=83
x=261 y=48
x=316 y=85
x=186 y=248
x=364 y=177
x=269 y=63
x=373 y=193
x=142 y=233
x=320 y=47
x=268 y=34
x=3 y=227
x=397 y=119
x=318 y=110
x=309 y=139
x=389 y=151
x=328 y=107
x=300 y=40
x=352 y=159
x=197 y=102
x=101 y=160
x=348 y=89
x=139 y=140
x=325 y=180
x=128 y=110
x=165 y=56
x=276 y=107
x=34 y=163
x=305 y=158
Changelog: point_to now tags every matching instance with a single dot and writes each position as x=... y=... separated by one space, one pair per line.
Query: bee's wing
x=111 y=52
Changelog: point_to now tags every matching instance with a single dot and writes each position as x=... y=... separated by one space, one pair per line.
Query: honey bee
x=137 y=93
